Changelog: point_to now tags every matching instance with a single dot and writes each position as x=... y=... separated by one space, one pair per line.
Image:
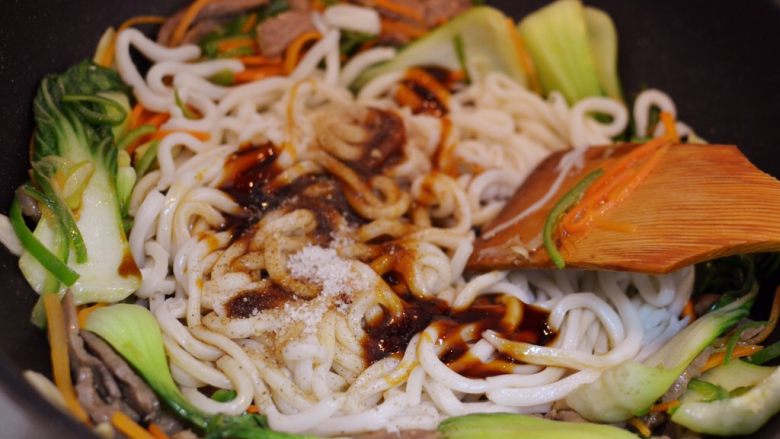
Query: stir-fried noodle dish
x=255 y=217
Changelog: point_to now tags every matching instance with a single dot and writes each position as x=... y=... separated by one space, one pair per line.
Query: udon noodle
x=278 y=307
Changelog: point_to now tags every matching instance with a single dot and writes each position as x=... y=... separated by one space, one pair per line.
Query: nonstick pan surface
x=717 y=59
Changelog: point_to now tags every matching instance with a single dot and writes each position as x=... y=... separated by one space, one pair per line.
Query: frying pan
x=717 y=59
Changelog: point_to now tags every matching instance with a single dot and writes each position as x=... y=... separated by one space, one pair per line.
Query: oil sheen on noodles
x=302 y=359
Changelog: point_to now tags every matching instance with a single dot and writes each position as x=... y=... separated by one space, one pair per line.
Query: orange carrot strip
x=187 y=19
x=671 y=126
x=293 y=53
x=400 y=9
x=85 y=312
x=526 y=62
x=430 y=83
x=157 y=432
x=407 y=98
x=108 y=58
x=253 y=409
x=235 y=43
x=688 y=311
x=774 y=315
x=249 y=24
x=157 y=119
x=60 y=365
x=135 y=115
x=257 y=74
x=740 y=351
x=640 y=426
x=259 y=60
x=128 y=427
x=665 y=406
x=402 y=28
x=200 y=135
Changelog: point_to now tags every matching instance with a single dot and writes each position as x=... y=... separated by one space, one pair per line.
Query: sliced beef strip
x=439 y=11
x=218 y=9
x=137 y=394
x=96 y=388
x=276 y=33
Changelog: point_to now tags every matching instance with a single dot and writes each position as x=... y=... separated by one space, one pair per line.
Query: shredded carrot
x=402 y=28
x=405 y=97
x=740 y=351
x=187 y=19
x=618 y=181
x=688 y=311
x=108 y=58
x=249 y=23
x=128 y=427
x=293 y=53
x=526 y=62
x=670 y=125
x=135 y=115
x=85 y=312
x=60 y=364
x=157 y=119
x=258 y=73
x=235 y=43
x=640 y=426
x=253 y=409
x=665 y=406
x=259 y=60
x=157 y=432
x=401 y=9
x=200 y=135
x=774 y=315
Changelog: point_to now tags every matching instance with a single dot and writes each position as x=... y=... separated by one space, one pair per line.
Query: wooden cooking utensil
x=698 y=203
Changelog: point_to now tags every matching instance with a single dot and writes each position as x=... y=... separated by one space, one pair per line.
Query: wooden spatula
x=698 y=203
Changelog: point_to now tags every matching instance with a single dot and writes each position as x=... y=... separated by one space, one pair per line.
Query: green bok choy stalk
x=80 y=184
x=574 y=49
x=630 y=388
x=134 y=333
x=749 y=396
x=512 y=426
x=482 y=35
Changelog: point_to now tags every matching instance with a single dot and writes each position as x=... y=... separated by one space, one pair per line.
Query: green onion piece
x=565 y=203
x=143 y=164
x=765 y=355
x=224 y=78
x=224 y=395
x=710 y=391
x=113 y=113
x=62 y=212
x=42 y=254
x=460 y=52
x=734 y=338
x=185 y=110
x=130 y=138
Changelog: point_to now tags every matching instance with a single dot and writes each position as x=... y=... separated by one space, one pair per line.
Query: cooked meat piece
x=692 y=371
x=138 y=395
x=405 y=434
x=439 y=11
x=299 y=5
x=217 y=9
x=703 y=302
x=276 y=33
x=203 y=28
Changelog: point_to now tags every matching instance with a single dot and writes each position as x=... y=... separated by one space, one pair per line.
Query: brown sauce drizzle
x=248 y=172
x=426 y=90
x=249 y=303
x=384 y=146
x=127 y=267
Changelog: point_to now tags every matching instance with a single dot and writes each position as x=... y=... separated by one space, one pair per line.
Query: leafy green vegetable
x=510 y=426
x=351 y=41
x=224 y=395
x=79 y=114
x=145 y=156
x=486 y=37
x=707 y=390
x=185 y=110
x=753 y=397
x=630 y=388
x=574 y=50
x=460 y=51
x=134 y=333
x=733 y=276
x=565 y=203
x=766 y=355
x=209 y=44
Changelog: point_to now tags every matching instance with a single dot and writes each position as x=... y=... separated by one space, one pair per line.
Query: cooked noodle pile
x=332 y=295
